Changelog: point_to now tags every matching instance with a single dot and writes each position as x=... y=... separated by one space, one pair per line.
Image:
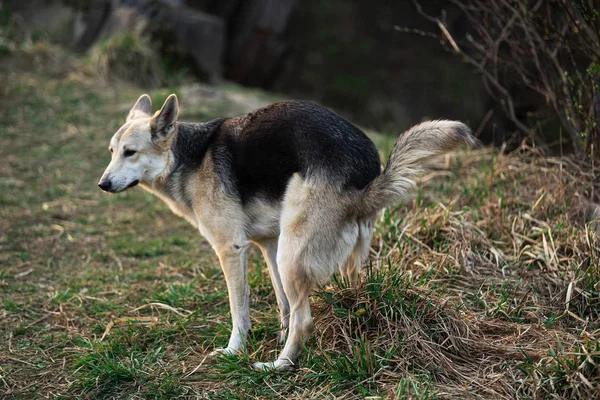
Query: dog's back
x=258 y=153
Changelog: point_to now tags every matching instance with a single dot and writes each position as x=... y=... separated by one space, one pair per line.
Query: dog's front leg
x=235 y=268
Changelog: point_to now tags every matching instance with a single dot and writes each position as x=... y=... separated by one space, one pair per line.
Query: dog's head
x=140 y=149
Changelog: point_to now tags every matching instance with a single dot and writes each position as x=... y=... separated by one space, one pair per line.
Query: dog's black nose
x=105 y=185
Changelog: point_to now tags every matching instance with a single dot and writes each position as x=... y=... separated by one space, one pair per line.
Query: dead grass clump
x=39 y=55
x=410 y=330
x=129 y=57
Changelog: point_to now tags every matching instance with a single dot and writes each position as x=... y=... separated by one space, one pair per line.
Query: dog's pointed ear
x=141 y=108
x=162 y=124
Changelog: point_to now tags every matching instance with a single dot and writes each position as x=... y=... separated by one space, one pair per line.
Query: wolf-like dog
x=297 y=180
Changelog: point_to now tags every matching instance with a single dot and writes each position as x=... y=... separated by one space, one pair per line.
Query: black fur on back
x=256 y=155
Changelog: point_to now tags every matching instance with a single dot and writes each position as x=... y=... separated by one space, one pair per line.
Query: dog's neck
x=187 y=152
x=191 y=143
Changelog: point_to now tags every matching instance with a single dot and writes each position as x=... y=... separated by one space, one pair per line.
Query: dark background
x=380 y=63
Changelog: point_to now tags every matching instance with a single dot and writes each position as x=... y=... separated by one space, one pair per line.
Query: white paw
x=279 y=365
x=226 y=351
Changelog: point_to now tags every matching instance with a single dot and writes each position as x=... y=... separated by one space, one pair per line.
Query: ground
x=483 y=284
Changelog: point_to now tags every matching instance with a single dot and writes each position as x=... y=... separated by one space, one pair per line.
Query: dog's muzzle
x=107 y=186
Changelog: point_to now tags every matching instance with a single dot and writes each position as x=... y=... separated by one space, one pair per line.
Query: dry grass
x=132 y=58
x=484 y=285
x=494 y=291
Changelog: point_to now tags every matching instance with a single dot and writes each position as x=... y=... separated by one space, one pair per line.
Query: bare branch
x=551 y=47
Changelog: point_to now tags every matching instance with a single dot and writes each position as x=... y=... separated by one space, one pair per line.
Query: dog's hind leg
x=350 y=269
x=305 y=262
x=316 y=235
x=269 y=251
x=298 y=286
x=234 y=261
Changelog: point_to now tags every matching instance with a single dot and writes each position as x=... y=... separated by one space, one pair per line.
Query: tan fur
x=317 y=228
x=427 y=139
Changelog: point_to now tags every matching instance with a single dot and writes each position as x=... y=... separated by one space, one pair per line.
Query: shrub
x=551 y=49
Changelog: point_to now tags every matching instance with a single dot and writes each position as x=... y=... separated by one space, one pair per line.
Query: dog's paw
x=224 y=351
x=279 y=365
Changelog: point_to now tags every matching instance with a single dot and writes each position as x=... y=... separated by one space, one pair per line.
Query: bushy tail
x=420 y=142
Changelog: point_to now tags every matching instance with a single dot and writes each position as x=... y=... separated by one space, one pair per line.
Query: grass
x=132 y=58
x=484 y=284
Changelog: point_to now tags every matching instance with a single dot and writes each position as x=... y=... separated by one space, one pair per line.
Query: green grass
x=465 y=294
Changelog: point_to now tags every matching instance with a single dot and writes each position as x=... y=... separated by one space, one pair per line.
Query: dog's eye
x=128 y=153
x=111 y=150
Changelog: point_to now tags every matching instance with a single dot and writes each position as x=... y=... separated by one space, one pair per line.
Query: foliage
x=551 y=48
x=131 y=57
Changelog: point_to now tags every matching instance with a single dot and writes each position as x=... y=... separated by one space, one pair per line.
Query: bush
x=129 y=57
x=546 y=50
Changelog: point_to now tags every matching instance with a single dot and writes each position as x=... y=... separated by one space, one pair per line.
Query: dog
x=293 y=178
